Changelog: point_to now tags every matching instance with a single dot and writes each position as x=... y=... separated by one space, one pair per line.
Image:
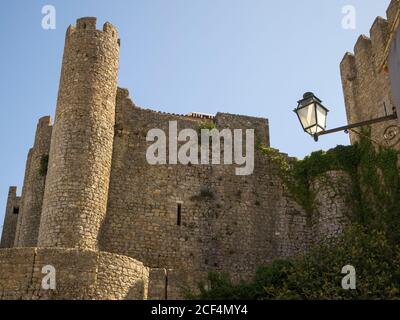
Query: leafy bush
x=209 y=125
x=317 y=275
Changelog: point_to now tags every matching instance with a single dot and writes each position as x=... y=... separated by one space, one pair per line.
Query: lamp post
x=312 y=116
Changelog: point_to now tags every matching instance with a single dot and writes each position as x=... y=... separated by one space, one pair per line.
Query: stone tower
x=75 y=198
x=10 y=219
x=366 y=83
x=34 y=184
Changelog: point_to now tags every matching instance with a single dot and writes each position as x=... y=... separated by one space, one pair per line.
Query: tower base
x=79 y=274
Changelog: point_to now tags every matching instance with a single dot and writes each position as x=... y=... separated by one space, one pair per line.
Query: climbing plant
x=373 y=172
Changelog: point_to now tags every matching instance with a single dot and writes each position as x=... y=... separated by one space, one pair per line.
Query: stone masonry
x=115 y=227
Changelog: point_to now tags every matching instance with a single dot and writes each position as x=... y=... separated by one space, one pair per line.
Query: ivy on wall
x=373 y=172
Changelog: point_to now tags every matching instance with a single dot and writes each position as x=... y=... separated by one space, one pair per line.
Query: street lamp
x=312 y=116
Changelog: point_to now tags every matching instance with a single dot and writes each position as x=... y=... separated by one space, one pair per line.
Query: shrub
x=209 y=125
x=317 y=275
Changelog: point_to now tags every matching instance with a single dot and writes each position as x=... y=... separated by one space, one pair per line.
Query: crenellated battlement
x=365 y=81
x=89 y=24
x=86 y=27
x=392 y=11
x=220 y=119
x=348 y=66
x=45 y=121
x=363 y=44
x=86 y=23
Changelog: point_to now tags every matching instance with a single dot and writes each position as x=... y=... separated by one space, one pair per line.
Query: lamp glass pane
x=307 y=116
x=314 y=129
x=321 y=117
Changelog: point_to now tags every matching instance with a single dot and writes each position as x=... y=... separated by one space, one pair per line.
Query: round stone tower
x=77 y=182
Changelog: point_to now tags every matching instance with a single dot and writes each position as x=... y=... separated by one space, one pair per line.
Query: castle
x=115 y=227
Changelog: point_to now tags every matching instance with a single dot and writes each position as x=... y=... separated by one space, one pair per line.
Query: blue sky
x=254 y=57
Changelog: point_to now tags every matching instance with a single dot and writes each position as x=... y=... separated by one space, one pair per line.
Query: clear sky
x=253 y=57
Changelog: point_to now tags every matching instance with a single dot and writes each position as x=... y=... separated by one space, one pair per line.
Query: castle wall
x=293 y=231
x=10 y=219
x=80 y=275
x=77 y=182
x=332 y=205
x=366 y=84
x=170 y=284
x=228 y=221
x=33 y=188
x=158 y=283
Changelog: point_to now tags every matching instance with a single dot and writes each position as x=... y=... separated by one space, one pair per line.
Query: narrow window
x=15 y=210
x=179 y=214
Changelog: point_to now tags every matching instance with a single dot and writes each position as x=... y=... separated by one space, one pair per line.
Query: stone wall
x=332 y=205
x=158 y=284
x=170 y=284
x=293 y=232
x=10 y=219
x=366 y=83
x=228 y=221
x=80 y=275
x=33 y=187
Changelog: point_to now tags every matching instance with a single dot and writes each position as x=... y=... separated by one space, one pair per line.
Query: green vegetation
x=209 y=125
x=206 y=125
x=317 y=275
x=373 y=171
x=297 y=174
x=370 y=243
